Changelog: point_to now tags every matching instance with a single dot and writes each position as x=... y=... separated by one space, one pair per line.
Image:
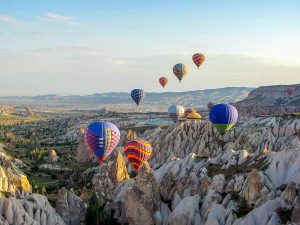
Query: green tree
x=43 y=190
x=92 y=214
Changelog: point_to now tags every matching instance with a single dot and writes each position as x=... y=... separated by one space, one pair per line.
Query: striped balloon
x=137 y=152
x=223 y=117
x=137 y=95
x=102 y=138
x=163 y=81
x=198 y=59
x=188 y=111
x=180 y=70
x=175 y=112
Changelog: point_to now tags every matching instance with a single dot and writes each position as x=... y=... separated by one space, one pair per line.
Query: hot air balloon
x=210 y=105
x=137 y=151
x=163 y=81
x=175 y=112
x=180 y=70
x=223 y=117
x=194 y=116
x=290 y=91
x=137 y=95
x=198 y=59
x=102 y=138
x=188 y=111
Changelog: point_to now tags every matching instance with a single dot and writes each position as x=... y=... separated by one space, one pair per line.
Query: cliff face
x=271 y=100
x=11 y=178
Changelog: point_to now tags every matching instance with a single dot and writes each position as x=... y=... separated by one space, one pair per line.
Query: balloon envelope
x=137 y=95
x=175 y=112
x=180 y=70
x=223 y=117
x=188 y=111
x=102 y=138
x=163 y=81
x=194 y=116
x=137 y=151
x=198 y=59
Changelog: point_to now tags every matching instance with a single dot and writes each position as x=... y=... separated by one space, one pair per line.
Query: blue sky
x=82 y=47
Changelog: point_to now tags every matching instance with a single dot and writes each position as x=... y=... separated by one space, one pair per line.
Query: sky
x=94 y=46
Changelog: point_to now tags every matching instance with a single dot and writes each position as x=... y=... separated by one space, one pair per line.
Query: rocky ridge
x=251 y=176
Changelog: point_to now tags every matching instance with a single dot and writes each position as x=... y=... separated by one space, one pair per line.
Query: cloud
x=11 y=21
x=53 y=17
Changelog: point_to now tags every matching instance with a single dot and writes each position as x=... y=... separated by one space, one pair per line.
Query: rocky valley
x=195 y=176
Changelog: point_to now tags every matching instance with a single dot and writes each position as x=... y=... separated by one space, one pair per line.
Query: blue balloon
x=102 y=138
x=137 y=95
x=223 y=117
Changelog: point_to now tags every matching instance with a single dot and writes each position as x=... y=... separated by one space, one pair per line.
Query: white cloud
x=11 y=21
x=53 y=17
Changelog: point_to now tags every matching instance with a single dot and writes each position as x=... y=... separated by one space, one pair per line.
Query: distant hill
x=271 y=100
x=153 y=101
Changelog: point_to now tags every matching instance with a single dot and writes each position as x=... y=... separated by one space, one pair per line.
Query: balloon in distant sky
x=102 y=138
x=198 y=59
x=223 y=117
x=210 y=105
x=180 y=70
x=188 y=111
x=175 y=112
x=163 y=81
x=290 y=91
x=137 y=95
x=137 y=151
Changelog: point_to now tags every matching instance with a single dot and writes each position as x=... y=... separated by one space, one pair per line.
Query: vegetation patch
x=215 y=169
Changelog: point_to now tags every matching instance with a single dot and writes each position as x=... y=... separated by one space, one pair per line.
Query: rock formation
x=11 y=178
x=270 y=100
x=70 y=207
x=83 y=154
x=52 y=156
x=248 y=176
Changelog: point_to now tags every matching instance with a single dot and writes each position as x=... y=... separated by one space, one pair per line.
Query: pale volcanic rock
x=186 y=212
x=252 y=136
x=263 y=215
x=70 y=207
x=83 y=153
x=33 y=210
x=85 y=195
x=284 y=167
x=141 y=202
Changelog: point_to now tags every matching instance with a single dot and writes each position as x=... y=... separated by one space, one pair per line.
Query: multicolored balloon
x=180 y=70
x=290 y=91
x=102 y=138
x=163 y=81
x=223 y=117
x=137 y=152
x=188 y=111
x=210 y=105
x=198 y=59
x=175 y=112
x=194 y=116
x=137 y=95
